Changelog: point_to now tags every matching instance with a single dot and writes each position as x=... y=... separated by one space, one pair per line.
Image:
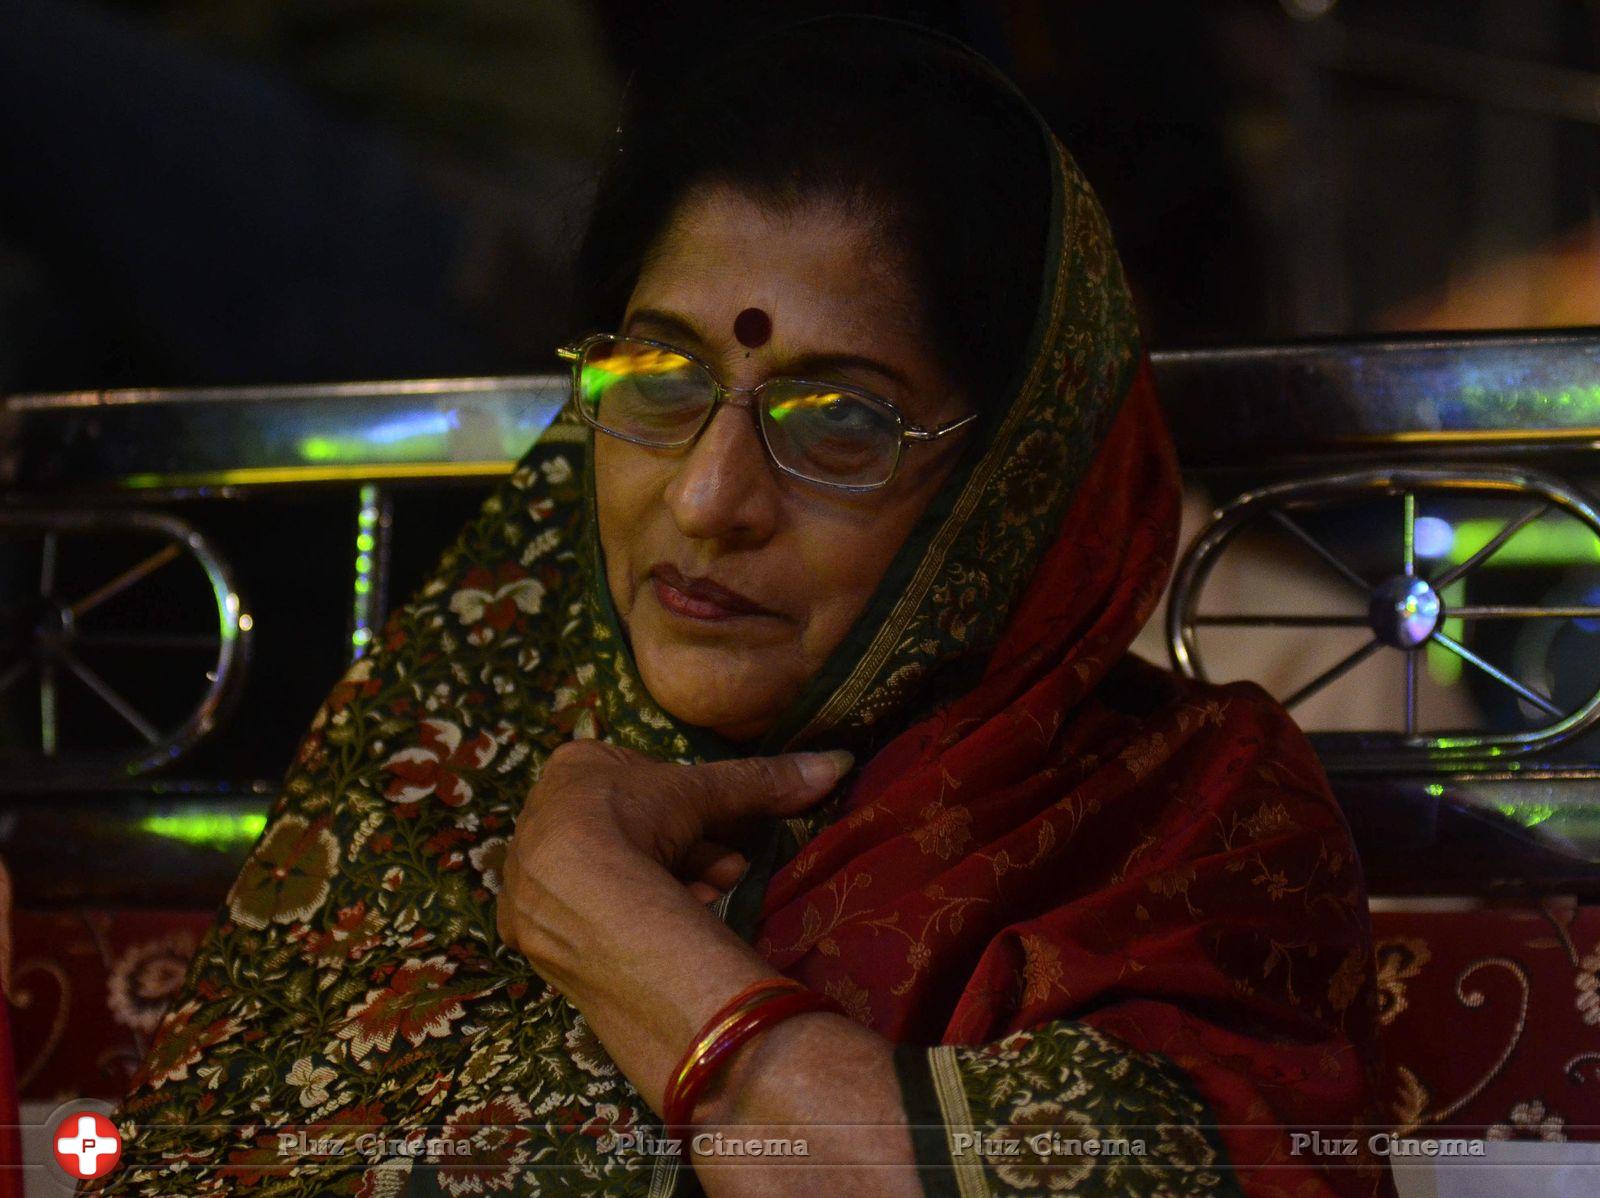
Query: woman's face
x=801 y=561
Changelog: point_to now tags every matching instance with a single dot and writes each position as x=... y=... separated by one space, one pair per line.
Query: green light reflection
x=1559 y=541
x=1444 y=667
x=1529 y=815
x=216 y=830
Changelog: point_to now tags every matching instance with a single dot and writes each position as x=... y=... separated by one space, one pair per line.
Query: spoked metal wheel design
x=1405 y=608
x=121 y=640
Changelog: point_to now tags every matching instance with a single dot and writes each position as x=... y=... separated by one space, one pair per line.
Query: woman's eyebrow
x=669 y=326
x=825 y=363
x=666 y=326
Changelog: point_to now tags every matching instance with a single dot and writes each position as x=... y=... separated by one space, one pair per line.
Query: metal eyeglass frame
x=720 y=394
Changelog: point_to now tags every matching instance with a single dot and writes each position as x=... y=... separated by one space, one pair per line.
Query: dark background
x=303 y=190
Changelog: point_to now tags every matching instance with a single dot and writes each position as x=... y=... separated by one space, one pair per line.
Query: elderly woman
x=764 y=769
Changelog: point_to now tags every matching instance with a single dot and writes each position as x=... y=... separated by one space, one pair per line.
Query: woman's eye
x=848 y=418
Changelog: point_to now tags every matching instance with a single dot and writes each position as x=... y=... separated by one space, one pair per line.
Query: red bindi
x=753 y=328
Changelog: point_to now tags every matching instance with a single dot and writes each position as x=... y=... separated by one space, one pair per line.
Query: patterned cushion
x=1491 y=1020
x=88 y=988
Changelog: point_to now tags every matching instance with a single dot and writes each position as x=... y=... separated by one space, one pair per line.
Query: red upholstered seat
x=88 y=989
x=1491 y=1019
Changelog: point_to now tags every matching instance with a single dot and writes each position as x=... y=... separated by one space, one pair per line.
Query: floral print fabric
x=353 y=996
x=1066 y=1110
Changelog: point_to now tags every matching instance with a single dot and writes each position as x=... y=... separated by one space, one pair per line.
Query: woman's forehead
x=813 y=277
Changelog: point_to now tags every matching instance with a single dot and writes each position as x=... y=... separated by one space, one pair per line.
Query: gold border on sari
x=888 y=640
x=952 y=1095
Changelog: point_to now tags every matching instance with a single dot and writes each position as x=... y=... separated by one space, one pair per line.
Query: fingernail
x=824 y=769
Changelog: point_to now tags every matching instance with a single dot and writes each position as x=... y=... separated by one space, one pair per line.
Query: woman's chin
x=732 y=694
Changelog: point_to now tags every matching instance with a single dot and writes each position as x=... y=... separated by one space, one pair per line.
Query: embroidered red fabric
x=1083 y=836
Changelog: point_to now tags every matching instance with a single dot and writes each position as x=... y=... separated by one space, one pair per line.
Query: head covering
x=1043 y=829
x=948 y=594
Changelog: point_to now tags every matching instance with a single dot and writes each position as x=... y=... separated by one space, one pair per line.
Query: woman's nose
x=724 y=488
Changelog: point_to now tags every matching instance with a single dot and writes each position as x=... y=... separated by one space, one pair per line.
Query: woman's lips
x=700 y=598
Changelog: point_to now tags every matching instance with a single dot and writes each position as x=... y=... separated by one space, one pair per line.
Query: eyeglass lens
x=655 y=396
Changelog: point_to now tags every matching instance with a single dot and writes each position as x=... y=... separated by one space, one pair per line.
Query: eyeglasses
x=652 y=394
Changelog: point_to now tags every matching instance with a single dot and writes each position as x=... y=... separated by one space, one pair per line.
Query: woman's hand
x=594 y=893
x=603 y=821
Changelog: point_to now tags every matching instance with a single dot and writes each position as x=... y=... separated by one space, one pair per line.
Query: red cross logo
x=87 y=1145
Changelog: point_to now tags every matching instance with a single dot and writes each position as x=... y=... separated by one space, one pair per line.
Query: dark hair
x=899 y=123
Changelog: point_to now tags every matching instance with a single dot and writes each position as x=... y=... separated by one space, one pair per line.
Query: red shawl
x=1086 y=837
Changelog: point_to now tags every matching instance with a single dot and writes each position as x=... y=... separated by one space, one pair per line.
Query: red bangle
x=718 y=1024
x=710 y=1051
x=745 y=998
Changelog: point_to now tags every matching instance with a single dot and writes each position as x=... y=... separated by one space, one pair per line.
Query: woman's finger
x=502 y=922
x=504 y=925
x=711 y=862
x=704 y=893
x=725 y=871
x=699 y=857
x=729 y=791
